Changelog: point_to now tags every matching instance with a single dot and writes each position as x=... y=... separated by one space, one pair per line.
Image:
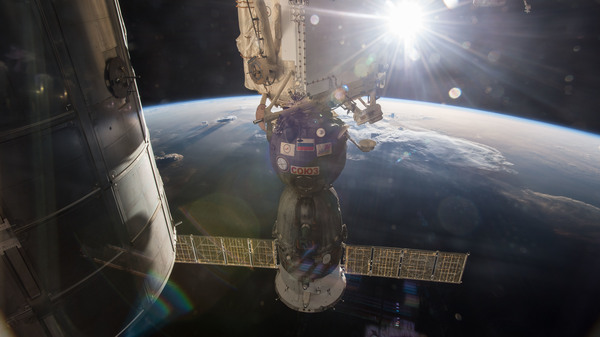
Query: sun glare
x=405 y=19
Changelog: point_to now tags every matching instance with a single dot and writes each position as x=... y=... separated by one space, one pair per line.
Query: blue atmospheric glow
x=156 y=108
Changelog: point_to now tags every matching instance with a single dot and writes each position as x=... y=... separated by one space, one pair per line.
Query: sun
x=405 y=19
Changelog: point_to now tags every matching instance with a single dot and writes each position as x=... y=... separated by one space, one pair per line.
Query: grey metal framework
x=402 y=263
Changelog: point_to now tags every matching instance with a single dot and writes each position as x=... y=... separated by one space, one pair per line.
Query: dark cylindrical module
x=86 y=235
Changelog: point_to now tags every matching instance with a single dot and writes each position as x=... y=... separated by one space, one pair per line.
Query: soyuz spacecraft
x=307 y=59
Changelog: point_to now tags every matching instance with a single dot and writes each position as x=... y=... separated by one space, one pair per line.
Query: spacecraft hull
x=313 y=297
x=309 y=233
x=85 y=227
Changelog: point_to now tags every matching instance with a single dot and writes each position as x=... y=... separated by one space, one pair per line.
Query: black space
x=548 y=66
x=542 y=65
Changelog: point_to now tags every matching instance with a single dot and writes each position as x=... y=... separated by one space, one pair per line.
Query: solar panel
x=264 y=253
x=386 y=261
x=185 y=250
x=358 y=260
x=226 y=251
x=208 y=249
x=415 y=264
x=450 y=267
x=237 y=251
x=403 y=263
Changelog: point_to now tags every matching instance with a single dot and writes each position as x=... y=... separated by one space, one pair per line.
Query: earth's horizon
x=522 y=196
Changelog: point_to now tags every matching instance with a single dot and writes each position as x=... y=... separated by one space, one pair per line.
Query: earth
x=522 y=197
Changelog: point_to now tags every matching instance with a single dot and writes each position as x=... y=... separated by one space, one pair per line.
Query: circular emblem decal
x=321 y=132
x=282 y=164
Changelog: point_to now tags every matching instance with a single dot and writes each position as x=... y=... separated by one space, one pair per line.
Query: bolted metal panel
x=119 y=132
x=53 y=327
x=32 y=90
x=114 y=296
x=90 y=23
x=152 y=258
x=12 y=298
x=137 y=194
x=25 y=324
x=23 y=273
x=48 y=170
x=62 y=249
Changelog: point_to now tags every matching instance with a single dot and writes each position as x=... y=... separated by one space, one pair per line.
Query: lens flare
x=405 y=20
x=314 y=19
x=455 y=93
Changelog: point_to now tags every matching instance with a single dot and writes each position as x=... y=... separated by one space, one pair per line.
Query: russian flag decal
x=305 y=144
